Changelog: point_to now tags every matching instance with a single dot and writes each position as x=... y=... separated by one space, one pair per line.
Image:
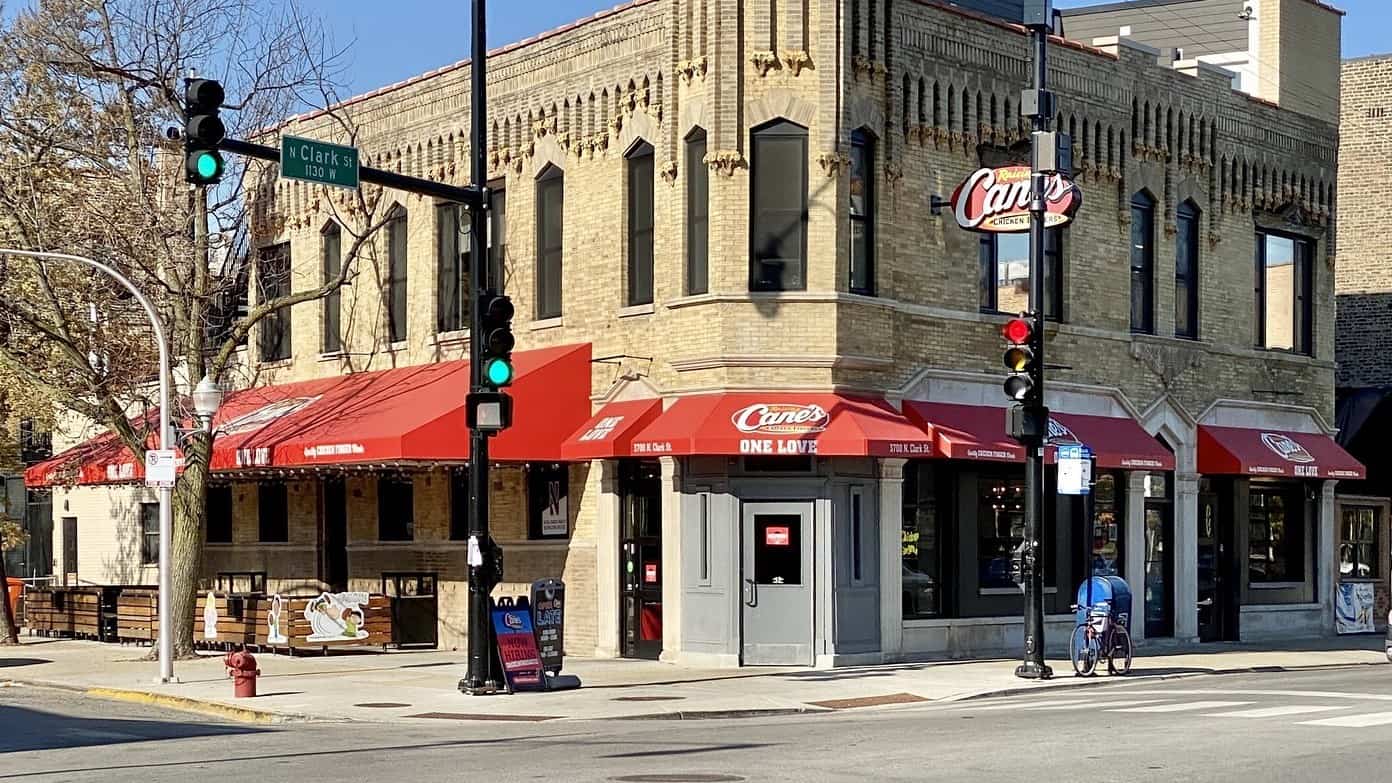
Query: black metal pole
x=1033 y=666
x=480 y=678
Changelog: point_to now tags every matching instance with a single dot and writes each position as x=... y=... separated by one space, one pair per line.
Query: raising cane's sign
x=997 y=200
x=780 y=419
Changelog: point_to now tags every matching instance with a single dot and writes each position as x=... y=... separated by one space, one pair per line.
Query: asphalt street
x=1269 y=727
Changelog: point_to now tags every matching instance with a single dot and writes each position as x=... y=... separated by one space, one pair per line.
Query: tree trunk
x=9 y=634
x=186 y=548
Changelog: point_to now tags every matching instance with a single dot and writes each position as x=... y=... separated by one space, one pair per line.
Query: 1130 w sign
x=997 y=200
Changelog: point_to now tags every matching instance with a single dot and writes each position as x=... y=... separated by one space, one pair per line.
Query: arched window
x=550 y=200
x=1186 y=313
x=1143 y=263
x=697 y=214
x=331 y=254
x=397 y=282
x=640 y=224
x=862 y=189
x=778 y=231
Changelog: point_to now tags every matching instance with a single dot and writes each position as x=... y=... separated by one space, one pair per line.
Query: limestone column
x=1133 y=528
x=1324 y=556
x=891 y=473
x=671 y=559
x=1186 y=557
x=607 y=559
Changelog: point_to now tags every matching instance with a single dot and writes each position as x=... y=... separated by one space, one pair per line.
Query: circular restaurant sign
x=997 y=200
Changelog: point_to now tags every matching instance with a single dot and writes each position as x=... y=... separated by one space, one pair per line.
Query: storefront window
x=1159 y=559
x=1276 y=535
x=1000 y=519
x=1106 y=527
x=1359 y=547
x=548 y=488
x=920 y=544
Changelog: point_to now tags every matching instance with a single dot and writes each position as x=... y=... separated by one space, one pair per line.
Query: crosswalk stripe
x=1353 y=721
x=1273 y=712
x=1093 y=703
x=1184 y=706
x=1019 y=706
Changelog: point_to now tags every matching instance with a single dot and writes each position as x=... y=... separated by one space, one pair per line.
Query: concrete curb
x=185 y=704
x=770 y=712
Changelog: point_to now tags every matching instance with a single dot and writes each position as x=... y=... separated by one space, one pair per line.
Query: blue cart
x=1103 y=630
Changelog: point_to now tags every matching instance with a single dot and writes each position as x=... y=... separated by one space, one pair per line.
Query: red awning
x=977 y=432
x=408 y=414
x=1242 y=451
x=1115 y=442
x=610 y=432
x=966 y=431
x=774 y=423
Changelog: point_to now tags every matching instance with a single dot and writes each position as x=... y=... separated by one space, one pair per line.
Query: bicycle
x=1100 y=632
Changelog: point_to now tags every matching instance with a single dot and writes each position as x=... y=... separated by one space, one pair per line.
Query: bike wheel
x=1119 y=657
x=1082 y=651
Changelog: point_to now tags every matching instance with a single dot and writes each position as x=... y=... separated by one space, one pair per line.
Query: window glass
x=451 y=268
x=1106 y=527
x=396 y=276
x=273 y=520
x=1276 y=535
x=640 y=225
x=779 y=232
x=1005 y=273
x=1000 y=520
x=497 y=240
x=396 y=508
x=778 y=549
x=1187 y=272
x=1142 y=263
x=920 y=544
x=1283 y=292
x=697 y=214
x=551 y=204
x=333 y=266
x=273 y=282
x=548 y=489
x=220 y=514
x=1358 y=550
x=459 y=504
x=862 y=193
x=149 y=533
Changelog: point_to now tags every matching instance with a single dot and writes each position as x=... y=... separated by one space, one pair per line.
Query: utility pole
x=1038 y=104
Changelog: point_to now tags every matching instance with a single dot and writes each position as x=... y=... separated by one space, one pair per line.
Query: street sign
x=319 y=161
x=1074 y=469
x=160 y=468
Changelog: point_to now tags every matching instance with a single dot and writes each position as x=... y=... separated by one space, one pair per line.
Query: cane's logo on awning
x=1059 y=432
x=781 y=418
x=997 y=200
x=1288 y=449
x=266 y=414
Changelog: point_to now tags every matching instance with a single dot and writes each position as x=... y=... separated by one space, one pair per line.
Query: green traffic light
x=208 y=165
x=498 y=372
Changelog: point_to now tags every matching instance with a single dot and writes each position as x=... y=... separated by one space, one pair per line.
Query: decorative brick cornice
x=669 y=172
x=865 y=67
x=689 y=70
x=796 y=60
x=833 y=163
x=764 y=62
x=726 y=161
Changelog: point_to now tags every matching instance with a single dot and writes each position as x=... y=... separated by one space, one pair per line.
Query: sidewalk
x=412 y=686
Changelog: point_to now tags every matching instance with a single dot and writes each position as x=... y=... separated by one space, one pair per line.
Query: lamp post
x=207 y=398
x=166 y=441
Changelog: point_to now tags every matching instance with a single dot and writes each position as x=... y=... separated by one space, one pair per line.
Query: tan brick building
x=729 y=206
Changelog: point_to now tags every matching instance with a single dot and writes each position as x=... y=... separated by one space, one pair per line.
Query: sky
x=399 y=39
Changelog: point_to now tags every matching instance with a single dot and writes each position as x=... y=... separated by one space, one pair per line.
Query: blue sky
x=399 y=39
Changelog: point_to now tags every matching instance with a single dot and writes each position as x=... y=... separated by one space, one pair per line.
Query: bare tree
x=89 y=92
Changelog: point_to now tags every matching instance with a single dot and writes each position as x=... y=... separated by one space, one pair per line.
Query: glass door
x=640 y=558
x=1159 y=556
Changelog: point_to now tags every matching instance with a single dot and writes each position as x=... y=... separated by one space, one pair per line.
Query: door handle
x=751 y=593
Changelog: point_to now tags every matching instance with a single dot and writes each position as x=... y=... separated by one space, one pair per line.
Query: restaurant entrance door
x=640 y=558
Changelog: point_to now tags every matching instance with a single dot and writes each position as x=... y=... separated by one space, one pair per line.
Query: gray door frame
x=777 y=622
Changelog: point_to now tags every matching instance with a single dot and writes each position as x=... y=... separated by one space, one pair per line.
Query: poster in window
x=555 y=520
x=549 y=510
x=1354 y=608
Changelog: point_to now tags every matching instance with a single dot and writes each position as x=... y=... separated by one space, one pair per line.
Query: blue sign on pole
x=1074 y=469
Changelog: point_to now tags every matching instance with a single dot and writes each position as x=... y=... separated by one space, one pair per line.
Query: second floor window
x=1186 y=293
x=640 y=225
x=451 y=268
x=332 y=249
x=273 y=282
x=1005 y=273
x=862 y=213
x=497 y=237
x=1284 y=281
x=396 y=276
x=778 y=234
x=697 y=214
x=1143 y=263
x=550 y=222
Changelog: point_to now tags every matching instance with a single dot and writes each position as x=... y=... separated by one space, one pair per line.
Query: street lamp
x=166 y=439
x=207 y=398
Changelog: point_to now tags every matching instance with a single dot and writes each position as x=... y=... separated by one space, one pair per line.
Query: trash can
x=15 y=589
x=1107 y=588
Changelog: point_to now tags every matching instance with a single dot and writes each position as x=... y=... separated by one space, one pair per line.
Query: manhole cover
x=679 y=778
x=381 y=704
x=649 y=698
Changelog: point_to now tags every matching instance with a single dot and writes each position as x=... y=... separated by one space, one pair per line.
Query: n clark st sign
x=997 y=200
x=318 y=161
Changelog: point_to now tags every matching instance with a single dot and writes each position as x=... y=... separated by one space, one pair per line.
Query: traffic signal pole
x=1033 y=666
x=480 y=678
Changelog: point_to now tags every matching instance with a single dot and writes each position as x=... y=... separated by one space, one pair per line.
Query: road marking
x=1256 y=692
x=1273 y=712
x=1018 y=706
x=1353 y=721
x=1095 y=703
x=1184 y=706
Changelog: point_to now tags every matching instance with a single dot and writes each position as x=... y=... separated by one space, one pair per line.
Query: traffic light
x=203 y=131
x=1020 y=359
x=495 y=354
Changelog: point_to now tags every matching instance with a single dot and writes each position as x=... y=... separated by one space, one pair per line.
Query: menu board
x=517 y=646
x=548 y=619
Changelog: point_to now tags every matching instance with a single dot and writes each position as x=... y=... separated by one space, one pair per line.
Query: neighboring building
x=759 y=416
x=1277 y=50
x=1363 y=347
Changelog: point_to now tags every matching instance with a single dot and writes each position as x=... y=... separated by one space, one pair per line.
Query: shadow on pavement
x=28 y=729
x=8 y=663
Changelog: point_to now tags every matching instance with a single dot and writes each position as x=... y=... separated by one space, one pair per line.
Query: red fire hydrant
x=241 y=667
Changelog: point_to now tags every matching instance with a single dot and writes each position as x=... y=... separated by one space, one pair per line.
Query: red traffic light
x=1017 y=330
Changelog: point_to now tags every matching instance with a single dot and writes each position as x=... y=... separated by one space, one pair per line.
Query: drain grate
x=679 y=778
x=648 y=698
x=381 y=704
x=474 y=716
